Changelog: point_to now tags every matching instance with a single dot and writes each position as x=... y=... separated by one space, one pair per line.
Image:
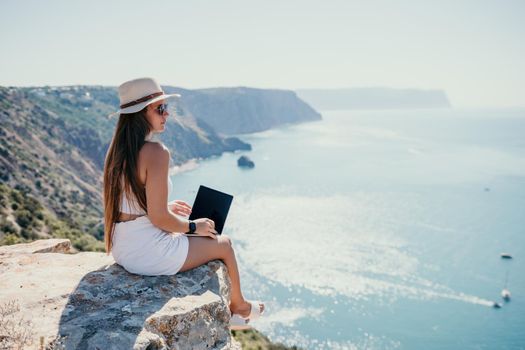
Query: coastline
x=189 y=165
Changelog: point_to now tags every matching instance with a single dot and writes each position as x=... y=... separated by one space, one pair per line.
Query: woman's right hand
x=205 y=227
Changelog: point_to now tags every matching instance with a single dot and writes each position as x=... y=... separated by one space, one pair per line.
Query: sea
x=380 y=229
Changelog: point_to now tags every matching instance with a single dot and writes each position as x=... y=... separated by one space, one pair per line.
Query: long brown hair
x=120 y=168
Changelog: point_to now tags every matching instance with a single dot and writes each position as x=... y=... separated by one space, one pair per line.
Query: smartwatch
x=193 y=227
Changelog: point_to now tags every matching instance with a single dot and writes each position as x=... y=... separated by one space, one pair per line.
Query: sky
x=474 y=50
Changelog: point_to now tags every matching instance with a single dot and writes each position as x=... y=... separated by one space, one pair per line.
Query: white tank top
x=131 y=206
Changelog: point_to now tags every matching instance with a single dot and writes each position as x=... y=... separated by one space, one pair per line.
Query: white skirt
x=142 y=248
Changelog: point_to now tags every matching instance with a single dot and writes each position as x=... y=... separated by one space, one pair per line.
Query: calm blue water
x=381 y=230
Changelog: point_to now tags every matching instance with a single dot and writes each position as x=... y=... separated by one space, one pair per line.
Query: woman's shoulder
x=153 y=148
x=154 y=154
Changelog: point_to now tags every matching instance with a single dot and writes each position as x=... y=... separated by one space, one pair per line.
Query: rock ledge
x=85 y=300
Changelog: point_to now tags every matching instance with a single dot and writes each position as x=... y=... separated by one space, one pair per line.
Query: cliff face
x=241 y=110
x=76 y=116
x=71 y=300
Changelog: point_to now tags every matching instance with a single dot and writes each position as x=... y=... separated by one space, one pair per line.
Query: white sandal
x=237 y=322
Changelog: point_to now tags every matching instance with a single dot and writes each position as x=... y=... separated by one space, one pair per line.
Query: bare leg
x=204 y=249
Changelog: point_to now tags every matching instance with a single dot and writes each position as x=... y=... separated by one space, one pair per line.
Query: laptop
x=211 y=204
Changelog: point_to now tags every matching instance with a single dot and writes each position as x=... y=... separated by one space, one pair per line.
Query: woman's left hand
x=179 y=207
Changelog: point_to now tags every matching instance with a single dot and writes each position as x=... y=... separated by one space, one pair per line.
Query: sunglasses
x=162 y=108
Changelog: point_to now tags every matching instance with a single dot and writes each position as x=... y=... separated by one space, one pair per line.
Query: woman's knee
x=224 y=239
x=225 y=244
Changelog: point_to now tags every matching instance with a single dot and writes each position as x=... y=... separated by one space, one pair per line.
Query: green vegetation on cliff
x=254 y=340
x=23 y=219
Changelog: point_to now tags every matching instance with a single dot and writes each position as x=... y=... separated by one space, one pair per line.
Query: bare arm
x=157 y=159
x=157 y=166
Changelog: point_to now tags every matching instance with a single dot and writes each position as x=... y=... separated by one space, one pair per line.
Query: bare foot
x=244 y=308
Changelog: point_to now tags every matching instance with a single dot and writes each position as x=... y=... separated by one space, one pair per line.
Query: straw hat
x=138 y=93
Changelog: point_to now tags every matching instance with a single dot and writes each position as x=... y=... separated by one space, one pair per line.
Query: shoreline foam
x=186 y=166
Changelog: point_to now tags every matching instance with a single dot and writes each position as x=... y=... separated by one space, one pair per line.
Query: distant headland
x=373 y=98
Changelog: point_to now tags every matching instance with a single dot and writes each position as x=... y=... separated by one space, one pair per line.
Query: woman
x=143 y=231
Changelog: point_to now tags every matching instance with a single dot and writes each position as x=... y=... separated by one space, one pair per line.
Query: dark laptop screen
x=211 y=204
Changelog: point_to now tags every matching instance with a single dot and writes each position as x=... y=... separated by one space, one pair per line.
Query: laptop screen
x=211 y=204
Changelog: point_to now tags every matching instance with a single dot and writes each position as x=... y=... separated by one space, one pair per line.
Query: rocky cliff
x=239 y=110
x=53 y=297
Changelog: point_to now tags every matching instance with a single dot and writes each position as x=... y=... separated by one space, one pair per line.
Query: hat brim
x=140 y=106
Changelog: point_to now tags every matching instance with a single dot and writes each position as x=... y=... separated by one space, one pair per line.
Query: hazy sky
x=474 y=50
